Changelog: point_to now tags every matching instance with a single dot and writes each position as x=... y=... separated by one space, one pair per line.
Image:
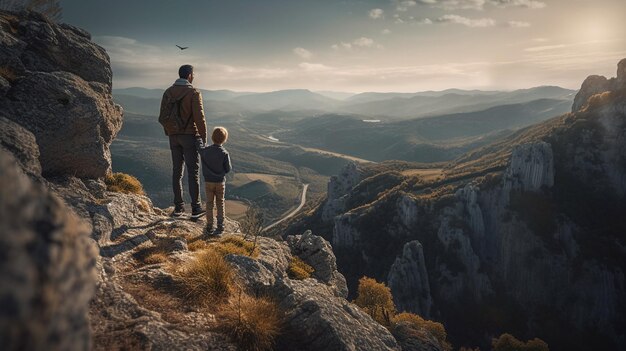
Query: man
x=184 y=139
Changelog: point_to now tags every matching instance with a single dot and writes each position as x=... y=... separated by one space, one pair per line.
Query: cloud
x=386 y=31
x=480 y=4
x=303 y=53
x=455 y=4
x=545 y=48
x=456 y=19
x=314 y=67
x=376 y=13
x=403 y=6
x=363 y=42
x=531 y=4
x=518 y=24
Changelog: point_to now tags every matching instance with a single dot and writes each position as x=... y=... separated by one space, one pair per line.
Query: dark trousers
x=185 y=151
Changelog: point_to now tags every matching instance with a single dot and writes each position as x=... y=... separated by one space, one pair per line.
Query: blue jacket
x=215 y=162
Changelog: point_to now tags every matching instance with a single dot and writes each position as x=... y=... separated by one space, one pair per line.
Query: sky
x=357 y=45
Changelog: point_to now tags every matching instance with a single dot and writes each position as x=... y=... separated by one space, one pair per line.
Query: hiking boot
x=178 y=211
x=197 y=213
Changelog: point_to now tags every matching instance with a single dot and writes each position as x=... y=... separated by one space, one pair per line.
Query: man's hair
x=184 y=71
x=220 y=135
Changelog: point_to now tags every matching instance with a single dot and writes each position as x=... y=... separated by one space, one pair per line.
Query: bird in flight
x=182 y=47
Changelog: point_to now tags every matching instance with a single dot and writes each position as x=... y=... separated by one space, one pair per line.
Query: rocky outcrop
x=47 y=266
x=318 y=320
x=591 y=86
x=598 y=84
x=22 y=144
x=408 y=281
x=59 y=89
x=317 y=315
x=317 y=252
x=338 y=188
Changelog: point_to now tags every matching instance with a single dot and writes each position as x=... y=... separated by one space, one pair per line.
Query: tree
x=49 y=8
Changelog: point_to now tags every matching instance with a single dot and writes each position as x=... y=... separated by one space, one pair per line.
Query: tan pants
x=215 y=195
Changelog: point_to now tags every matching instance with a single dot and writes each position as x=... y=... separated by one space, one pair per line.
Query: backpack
x=170 y=117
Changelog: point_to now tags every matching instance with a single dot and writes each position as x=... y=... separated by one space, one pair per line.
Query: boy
x=215 y=165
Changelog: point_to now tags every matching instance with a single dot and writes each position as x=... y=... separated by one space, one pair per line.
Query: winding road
x=292 y=213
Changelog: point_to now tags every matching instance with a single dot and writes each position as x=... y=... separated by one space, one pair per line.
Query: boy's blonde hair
x=220 y=135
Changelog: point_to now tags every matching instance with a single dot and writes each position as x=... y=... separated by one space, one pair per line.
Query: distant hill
x=296 y=99
x=151 y=106
x=385 y=106
x=433 y=103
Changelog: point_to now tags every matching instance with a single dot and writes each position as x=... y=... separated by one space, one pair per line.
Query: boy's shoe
x=219 y=230
x=178 y=211
x=208 y=229
x=197 y=213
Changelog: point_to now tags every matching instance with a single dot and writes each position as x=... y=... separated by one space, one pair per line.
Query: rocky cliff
x=525 y=235
x=85 y=268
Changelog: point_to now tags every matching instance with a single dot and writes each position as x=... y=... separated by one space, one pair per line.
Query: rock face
x=47 y=266
x=532 y=166
x=22 y=144
x=338 y=188
x=408 y=281
x=57 y=85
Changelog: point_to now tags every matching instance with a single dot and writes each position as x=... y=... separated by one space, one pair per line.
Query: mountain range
x=385 y=106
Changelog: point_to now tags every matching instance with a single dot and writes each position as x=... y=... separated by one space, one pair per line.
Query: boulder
x=415 y=339
x=317 y=252
x=22 y=144
x=56 y=83
x=47 y=267
x=317 y=320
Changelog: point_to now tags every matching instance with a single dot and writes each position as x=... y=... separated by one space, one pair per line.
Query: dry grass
x=123 y=183
x=236 y=245
x=252 y=322
x=298 y=269
x=198 y=245
x=417 y=322
x=376 y=300
x=205 y=280
x=156 y=257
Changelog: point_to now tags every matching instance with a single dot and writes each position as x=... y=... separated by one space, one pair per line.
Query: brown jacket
x=190 y=107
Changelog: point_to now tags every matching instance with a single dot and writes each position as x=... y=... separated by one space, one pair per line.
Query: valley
x=282 y=140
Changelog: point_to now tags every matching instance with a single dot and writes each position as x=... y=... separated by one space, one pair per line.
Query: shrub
x=434 y=328
x=376 y=300
x=123 y=183
x=237 y=245
x=206 y=279
x=507 y=342
x=252 y=322
x=298 y=269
